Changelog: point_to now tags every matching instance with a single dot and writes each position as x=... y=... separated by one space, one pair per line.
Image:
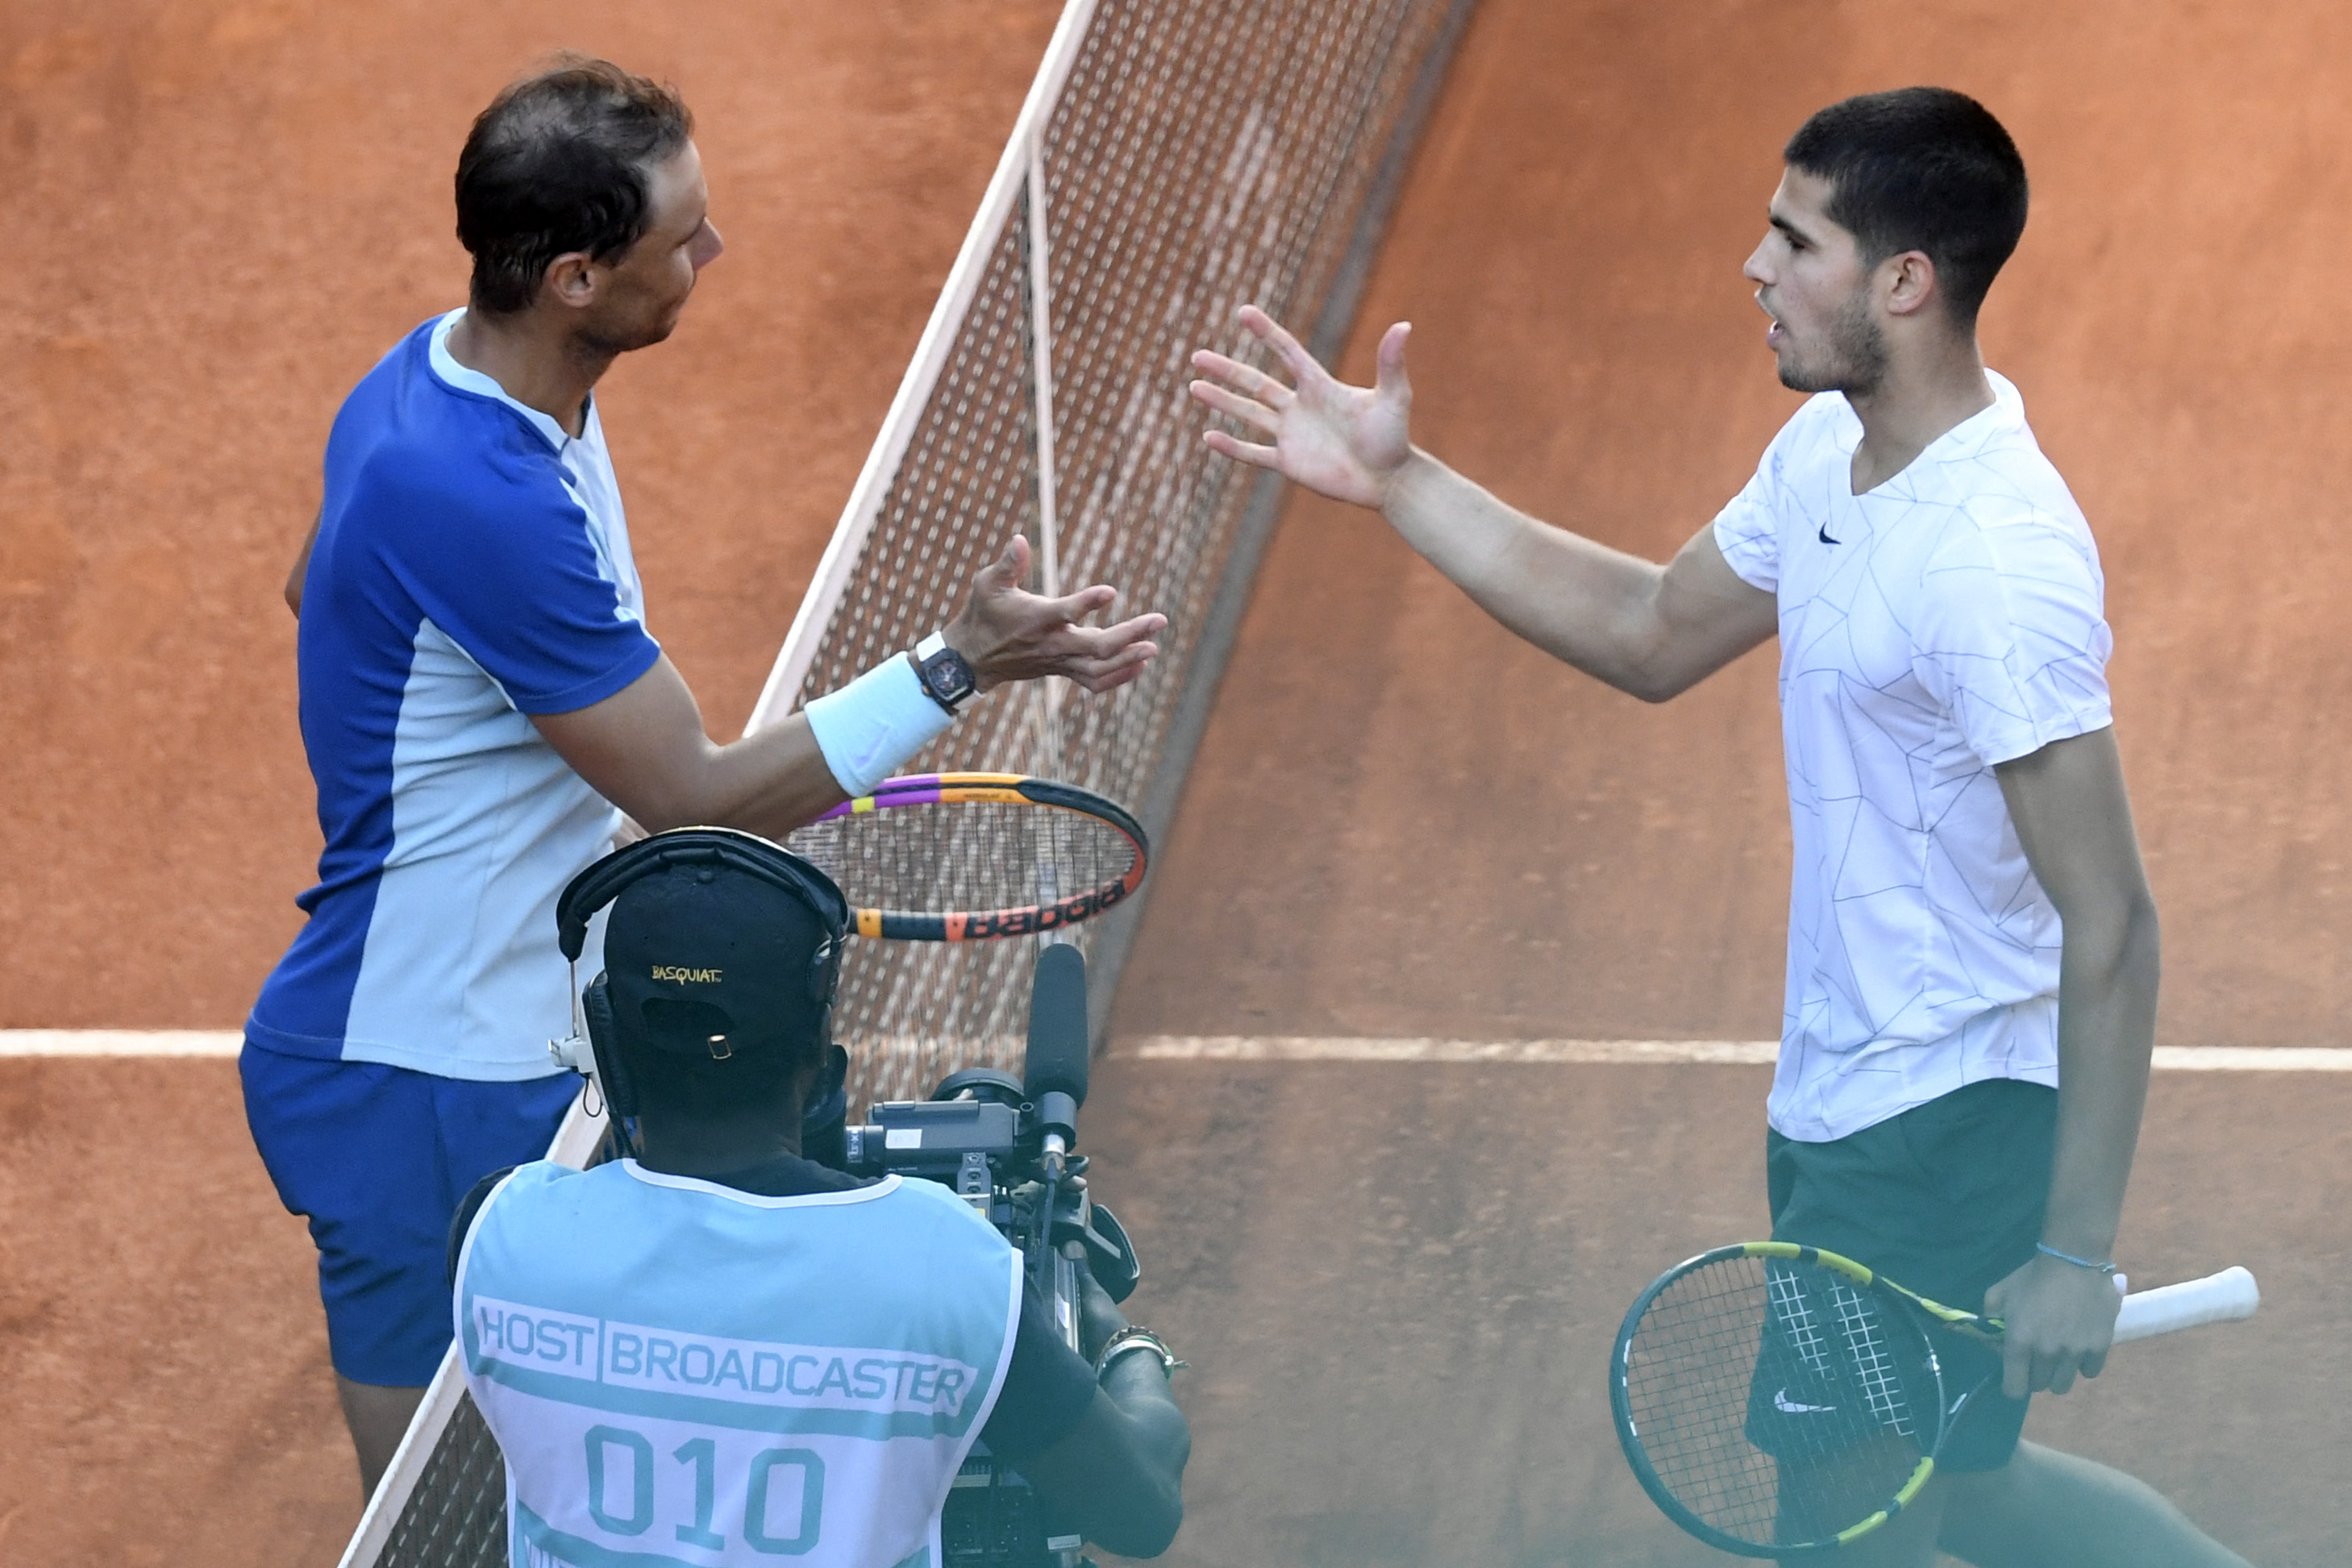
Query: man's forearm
x=1139 y=1387
x=768 y=782
x=2106 y=1029
x=646 y=750
x=1586 y=604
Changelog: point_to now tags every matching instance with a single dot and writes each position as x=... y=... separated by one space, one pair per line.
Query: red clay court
x=1399 y=1282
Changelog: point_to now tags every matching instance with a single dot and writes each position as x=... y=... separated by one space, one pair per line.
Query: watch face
x=951 y=677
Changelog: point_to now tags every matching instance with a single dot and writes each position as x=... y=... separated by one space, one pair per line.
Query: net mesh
x=1200 y=154
x=457 y=1514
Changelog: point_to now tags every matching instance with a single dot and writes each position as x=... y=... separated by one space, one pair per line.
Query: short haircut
x=558 y=163
x=1924 y=169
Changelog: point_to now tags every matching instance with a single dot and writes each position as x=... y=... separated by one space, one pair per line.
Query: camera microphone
x=1055 y=1078
x=1058 y=1055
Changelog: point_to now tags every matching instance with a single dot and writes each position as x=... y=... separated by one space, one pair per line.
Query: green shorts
x=1946 y=1199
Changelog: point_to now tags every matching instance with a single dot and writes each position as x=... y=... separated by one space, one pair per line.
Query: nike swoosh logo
x=1786 y=1405
x=1825 y=535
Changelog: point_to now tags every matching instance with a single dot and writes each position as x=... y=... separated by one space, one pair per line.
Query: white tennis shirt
x=1947 y=621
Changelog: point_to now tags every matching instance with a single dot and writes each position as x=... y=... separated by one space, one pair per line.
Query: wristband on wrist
x=2049 y=1251
x=1133 y=1337
x=874 y=725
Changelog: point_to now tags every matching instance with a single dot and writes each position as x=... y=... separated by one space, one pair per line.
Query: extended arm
x=1650 y=629
x=2073 y=822
x=645 y=750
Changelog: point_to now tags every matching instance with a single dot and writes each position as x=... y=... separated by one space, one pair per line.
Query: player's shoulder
x=1992 y=489
x=408 y=444
x=1992 y=468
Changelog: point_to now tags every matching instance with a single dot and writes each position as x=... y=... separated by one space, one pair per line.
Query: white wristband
x=870 y=727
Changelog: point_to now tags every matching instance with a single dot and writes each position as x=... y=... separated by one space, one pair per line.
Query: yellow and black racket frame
x=1908 y=1306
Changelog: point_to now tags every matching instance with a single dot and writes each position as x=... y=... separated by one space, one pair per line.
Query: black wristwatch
x=947 y=679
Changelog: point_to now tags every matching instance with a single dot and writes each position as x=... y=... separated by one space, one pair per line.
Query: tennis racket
x=1776 y=1399
x=963 y=857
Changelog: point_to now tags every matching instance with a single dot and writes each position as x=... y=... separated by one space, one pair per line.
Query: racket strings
x=1872 y=1359
x=1770 y=1399
x=973 y=855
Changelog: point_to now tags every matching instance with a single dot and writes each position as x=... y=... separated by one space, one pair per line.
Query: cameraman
x=718 y=1351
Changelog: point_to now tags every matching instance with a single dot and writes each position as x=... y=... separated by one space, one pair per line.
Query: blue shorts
x=377 y=1159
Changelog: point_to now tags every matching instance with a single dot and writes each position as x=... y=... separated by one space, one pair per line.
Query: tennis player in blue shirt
x=482 y=703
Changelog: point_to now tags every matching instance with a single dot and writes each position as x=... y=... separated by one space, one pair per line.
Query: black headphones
x=723 y=848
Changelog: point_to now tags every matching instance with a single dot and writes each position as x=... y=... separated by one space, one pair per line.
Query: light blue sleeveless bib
x=683 y=1375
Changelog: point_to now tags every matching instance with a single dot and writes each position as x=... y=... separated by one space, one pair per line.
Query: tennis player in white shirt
x=1972 y=945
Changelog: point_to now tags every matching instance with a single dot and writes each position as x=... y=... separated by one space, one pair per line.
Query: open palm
x=1344 y=441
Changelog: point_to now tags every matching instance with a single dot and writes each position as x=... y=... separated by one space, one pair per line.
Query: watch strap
x=931 y=655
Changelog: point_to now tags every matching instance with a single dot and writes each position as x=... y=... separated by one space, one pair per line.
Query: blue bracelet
x=2044 y=1248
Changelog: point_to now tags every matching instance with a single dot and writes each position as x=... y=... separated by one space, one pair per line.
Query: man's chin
x=616 y=344
x=1798 y=378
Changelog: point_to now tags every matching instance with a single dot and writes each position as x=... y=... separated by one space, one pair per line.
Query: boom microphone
x=1055 y=1074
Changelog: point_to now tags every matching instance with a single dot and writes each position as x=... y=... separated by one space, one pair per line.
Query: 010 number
x=703 y=1455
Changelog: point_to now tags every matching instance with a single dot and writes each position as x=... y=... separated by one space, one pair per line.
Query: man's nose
x=707 y=251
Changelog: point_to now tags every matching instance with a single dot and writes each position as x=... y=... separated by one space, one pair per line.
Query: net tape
x=1196 y=155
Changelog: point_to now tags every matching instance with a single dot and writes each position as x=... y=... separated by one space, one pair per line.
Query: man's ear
x=571 y=279
x=1907 y=281
x=811 y=1079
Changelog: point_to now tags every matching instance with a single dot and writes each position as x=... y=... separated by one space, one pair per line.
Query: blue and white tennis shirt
x=472 y=568
x=684 y=1375
x=1950 y=619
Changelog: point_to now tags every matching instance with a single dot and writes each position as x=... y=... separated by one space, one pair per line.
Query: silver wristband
x=1135 y=1338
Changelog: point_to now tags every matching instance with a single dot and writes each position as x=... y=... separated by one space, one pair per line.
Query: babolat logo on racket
x=686 y=976
x=1022 y=922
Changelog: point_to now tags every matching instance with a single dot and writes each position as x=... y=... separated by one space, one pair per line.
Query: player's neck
x=1930 y=386
x=535 y=358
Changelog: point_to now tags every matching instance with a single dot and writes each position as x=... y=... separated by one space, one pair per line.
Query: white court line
x=120 y=1042
x=1289 y=1048
x=1738 y=1052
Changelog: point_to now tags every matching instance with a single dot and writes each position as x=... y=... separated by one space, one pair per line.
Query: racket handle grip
x=2221 y=1297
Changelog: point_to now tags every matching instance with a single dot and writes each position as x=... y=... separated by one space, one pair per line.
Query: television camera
x=1007 y=1145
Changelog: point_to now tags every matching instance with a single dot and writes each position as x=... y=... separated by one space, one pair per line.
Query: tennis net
x=1174 y=159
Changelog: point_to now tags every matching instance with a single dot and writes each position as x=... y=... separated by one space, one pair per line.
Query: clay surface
x=1398 y=1283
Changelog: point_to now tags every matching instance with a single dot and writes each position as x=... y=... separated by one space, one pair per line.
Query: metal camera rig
x=1006 y=1144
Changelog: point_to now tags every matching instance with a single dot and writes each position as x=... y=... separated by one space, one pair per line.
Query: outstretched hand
x=1345 y=442
x=1007 y=633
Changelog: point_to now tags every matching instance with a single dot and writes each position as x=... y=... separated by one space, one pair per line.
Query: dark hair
x=557 y=163
x=690 y=1084
x=1925 y=169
